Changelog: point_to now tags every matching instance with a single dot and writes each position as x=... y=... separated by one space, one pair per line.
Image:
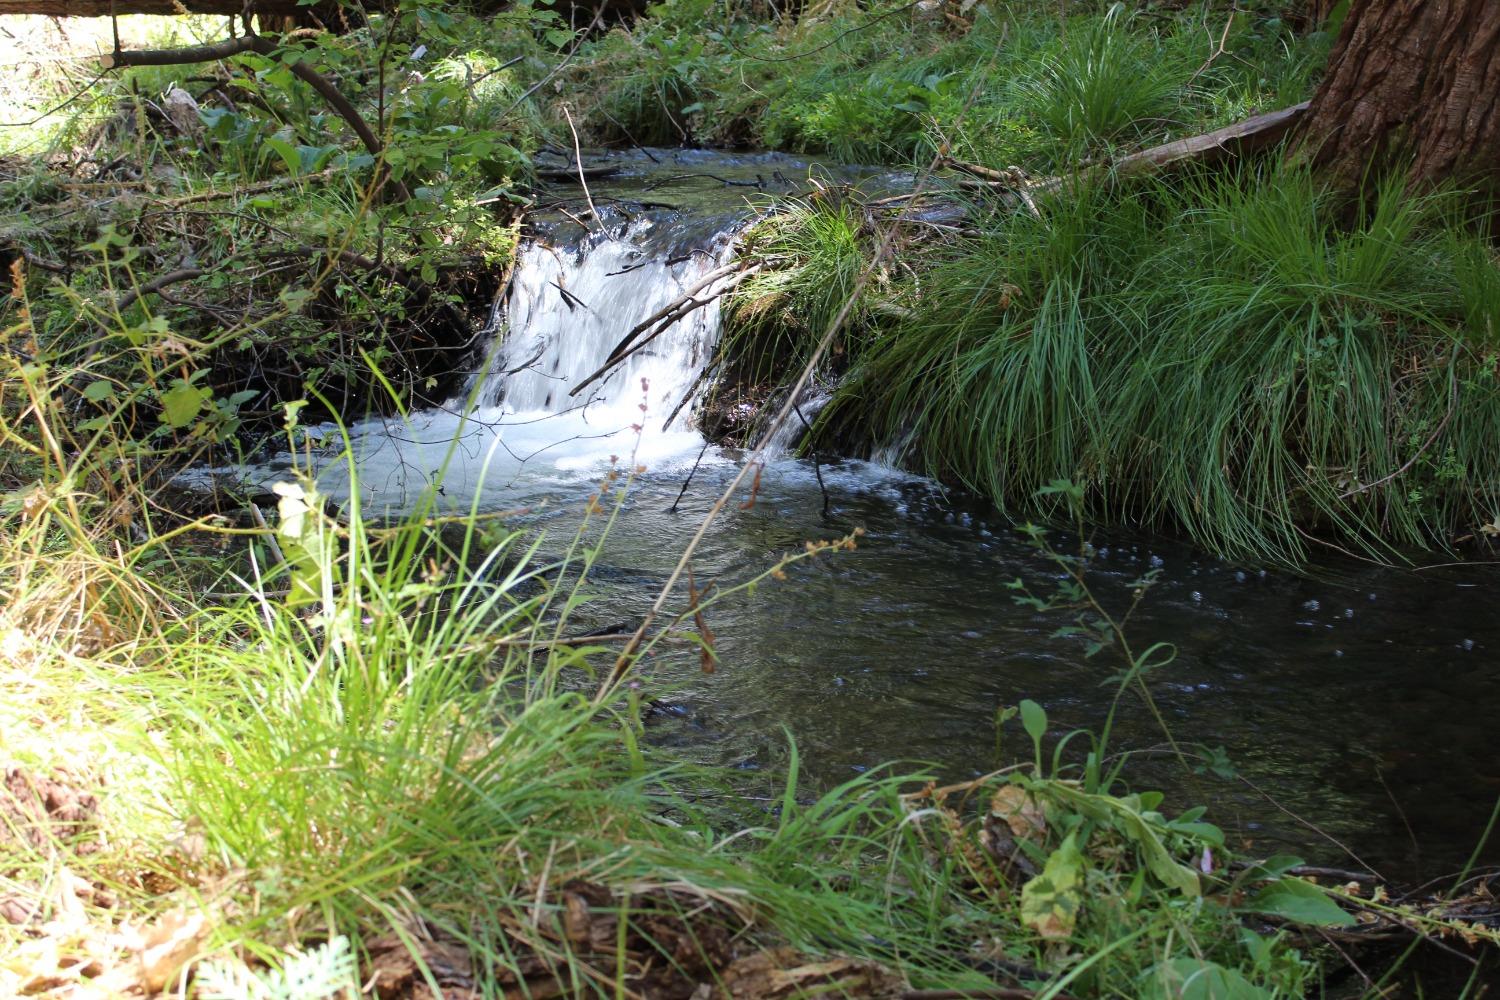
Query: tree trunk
x=1412 y=85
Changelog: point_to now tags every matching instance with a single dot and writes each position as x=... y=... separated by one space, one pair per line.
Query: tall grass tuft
x=1237 y=356
x=1108 y=80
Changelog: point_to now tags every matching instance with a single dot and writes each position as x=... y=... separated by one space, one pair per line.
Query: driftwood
x=1230 y=142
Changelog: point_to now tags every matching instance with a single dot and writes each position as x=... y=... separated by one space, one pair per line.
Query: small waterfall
x=518 y=431
x=518 y=435
x=788 y=436
x=569 y=306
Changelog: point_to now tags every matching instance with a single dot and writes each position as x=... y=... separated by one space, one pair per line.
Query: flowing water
x=1362 y=700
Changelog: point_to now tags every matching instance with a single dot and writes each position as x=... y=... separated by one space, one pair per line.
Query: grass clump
x=1241 y=357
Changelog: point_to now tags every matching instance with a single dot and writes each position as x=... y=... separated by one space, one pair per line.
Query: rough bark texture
x=1411 y=82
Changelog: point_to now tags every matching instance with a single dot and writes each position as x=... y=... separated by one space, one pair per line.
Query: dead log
x=1231 y=142
x=1240 y=139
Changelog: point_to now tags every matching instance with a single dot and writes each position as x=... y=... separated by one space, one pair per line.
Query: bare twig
x=578 y=161
x=1218 y=51
x=664 y=317
x=156 y=284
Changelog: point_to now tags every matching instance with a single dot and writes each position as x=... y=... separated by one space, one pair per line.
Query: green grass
x=1239 y=357
x=1027 y=84
x=380 y=736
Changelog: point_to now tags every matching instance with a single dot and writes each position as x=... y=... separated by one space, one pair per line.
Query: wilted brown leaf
x=1020 y=812
x=783 y=973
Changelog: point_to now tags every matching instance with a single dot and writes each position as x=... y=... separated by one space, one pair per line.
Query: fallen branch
x=662 y=319
x=156 y=284
x=1240 y=139
x=1231 y=141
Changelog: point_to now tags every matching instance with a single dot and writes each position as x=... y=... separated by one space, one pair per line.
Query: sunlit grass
x=1239 y=357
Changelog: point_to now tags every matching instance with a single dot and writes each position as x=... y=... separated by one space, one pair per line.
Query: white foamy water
x=528 y=422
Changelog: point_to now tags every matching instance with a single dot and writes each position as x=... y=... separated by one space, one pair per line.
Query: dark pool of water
x=1362 y=700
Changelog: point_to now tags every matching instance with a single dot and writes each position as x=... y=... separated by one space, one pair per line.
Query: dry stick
x=665 y=317
x=1217 y=52
x=578 y=161
x=157 y=284
x=753 y=461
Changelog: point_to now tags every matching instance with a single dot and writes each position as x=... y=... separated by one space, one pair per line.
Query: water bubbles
x=1239 y=576
x=948 y=518
x=1156 y=562
x=969 y=634
x=1197 y=597
x=1338 y=652
x=1370 y=596
x=1348 y=612
x=1466 y=645
x=1311 y=605
x=1261 y=574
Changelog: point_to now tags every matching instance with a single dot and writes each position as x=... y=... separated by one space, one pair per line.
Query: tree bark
x=1411 y=85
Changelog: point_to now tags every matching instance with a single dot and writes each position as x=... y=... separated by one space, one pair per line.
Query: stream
x=1362 y=700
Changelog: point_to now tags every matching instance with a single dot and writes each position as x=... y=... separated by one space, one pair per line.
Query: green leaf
x=97 y=392
x=1033 y=719
x=307 y=543
x=294 y=299
x=1300 y=902
x=1125 y=816
x=1198 y=979
x=181 y=404
x=286 y=151
x=1051 y=901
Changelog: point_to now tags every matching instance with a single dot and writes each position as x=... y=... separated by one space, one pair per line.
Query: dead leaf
x=1021 y=813
x=783 y=974
x=168 y=945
